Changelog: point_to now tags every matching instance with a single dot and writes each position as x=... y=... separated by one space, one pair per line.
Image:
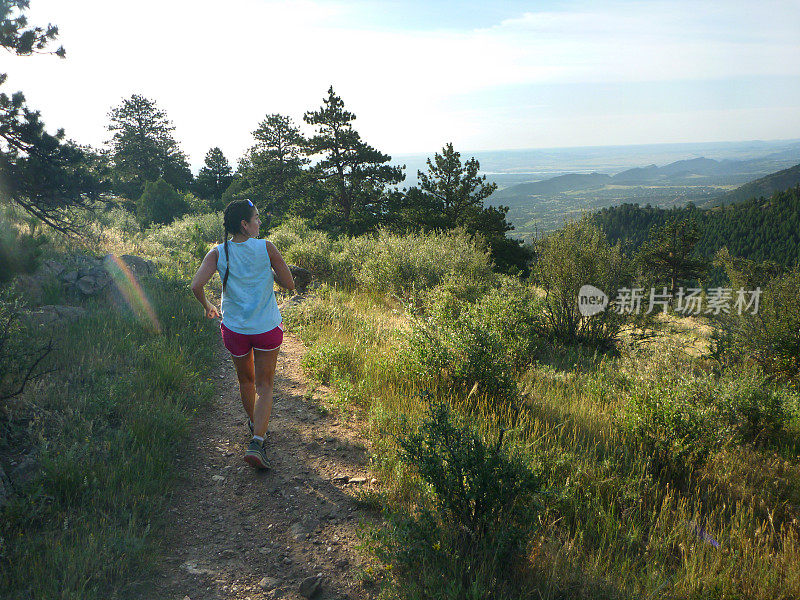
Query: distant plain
x=612 y=175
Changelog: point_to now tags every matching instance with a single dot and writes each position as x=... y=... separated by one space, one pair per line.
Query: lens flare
x=127 y=284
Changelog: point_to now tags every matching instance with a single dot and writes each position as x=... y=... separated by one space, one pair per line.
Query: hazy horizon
x=513 y=76
x=507 y=167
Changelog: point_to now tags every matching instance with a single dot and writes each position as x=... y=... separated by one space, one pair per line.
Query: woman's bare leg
x=245 y=371
x=265 y=363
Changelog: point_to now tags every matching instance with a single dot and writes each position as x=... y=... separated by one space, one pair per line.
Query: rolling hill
x=763 y=187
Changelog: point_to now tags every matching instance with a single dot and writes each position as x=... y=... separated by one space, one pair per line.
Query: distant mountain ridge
x=546 y=200
x=555 y=185
x=765 y=186
x=681 y=172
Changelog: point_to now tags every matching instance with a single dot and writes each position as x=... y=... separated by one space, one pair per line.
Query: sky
x=419 y=74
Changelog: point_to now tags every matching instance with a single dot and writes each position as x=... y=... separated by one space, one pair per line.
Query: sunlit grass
x=614 y=528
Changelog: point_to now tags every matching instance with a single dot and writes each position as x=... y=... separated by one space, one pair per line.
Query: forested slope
x=758 y=229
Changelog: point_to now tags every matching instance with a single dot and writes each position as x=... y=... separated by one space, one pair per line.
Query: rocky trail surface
x=288 y=532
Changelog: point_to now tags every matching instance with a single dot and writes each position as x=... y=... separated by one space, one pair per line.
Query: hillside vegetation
x=763 y=187
x=759 y=229
x=521 y=453
x=666 y=467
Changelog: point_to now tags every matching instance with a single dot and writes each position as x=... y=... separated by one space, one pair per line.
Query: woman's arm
x=201 y=278
x=282 y=273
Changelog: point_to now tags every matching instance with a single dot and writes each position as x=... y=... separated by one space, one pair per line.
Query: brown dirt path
x=234 y=526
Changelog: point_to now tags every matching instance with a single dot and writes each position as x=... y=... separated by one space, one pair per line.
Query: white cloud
x=217 y=70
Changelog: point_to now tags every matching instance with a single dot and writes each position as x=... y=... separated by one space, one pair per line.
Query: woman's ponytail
x=227 y=260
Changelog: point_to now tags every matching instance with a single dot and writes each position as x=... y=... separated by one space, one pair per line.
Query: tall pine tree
x=272 y=167
x=143 y=149
x=457 y=188
x=214 y=178
x=353 y=174
x=452 y=194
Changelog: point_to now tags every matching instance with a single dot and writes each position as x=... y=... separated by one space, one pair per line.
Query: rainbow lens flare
x=127 y=284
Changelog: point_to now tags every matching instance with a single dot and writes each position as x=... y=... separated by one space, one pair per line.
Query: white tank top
x=248 y=300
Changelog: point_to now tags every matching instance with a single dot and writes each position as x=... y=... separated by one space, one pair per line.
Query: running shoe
x=255 y=456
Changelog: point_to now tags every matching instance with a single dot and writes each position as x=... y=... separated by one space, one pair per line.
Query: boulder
x=69 y=276
x=268 y=583
x=25 y=468
x=289 y=304
x=139 y=266
x=302 y=277
x=310 y=586
x=89 y=285
x=51 y=267
x=53 y=313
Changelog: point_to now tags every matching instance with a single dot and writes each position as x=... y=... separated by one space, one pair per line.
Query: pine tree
x=453 y=195
x=353 y=174
x=143 y=149
x=669 y=254
x=273 y=166
x=16 y=36
x=457 y=188
x=214 y=178
x=42 y=173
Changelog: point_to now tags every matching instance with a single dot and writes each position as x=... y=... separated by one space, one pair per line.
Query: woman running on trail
x=252 y=326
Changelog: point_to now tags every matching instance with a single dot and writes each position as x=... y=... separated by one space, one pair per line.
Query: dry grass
x=614 y=530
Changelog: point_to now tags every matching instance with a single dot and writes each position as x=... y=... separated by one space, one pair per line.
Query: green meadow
x=115 y=402
x=514 y=460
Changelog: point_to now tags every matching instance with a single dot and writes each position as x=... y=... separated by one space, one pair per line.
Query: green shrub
x=515 y=315
x=120 y=218
x=758 y=411
x=677 y=421
x=472 y=529
x=185 y=241
x=574 y=256
x=405 y=264
x=196 y=205
x=486 y=343
x=160 y=203
x=385 y=263
x=771 y=337
x=452 y=295
x=461 y=354
x=680 y=418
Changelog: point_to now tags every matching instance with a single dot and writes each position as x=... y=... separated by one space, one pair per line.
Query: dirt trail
x=240 y=533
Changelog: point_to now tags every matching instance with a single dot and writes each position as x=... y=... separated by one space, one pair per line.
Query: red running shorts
x=239 y=344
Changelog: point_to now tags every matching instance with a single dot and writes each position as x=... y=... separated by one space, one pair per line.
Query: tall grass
x=103 y=428
x=616 y=523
